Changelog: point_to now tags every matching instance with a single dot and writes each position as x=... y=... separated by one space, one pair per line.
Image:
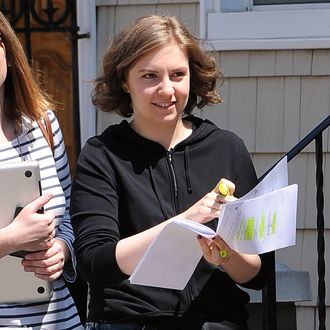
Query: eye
x=150 y=75
x=178 y=74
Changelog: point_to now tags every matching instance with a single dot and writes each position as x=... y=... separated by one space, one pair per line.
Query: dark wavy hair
x=23 y=94
x=141 y=37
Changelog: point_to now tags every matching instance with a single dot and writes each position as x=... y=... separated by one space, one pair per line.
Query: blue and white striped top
x=60 y=312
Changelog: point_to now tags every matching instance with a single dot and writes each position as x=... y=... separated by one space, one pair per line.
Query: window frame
x=290 y=2
x=304 y=26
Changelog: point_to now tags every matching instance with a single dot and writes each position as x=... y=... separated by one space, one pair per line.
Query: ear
x=125 y=88
x=2 y=45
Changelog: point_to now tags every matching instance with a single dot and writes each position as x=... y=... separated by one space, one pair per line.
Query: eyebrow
x=183 y=68
x=146 y=70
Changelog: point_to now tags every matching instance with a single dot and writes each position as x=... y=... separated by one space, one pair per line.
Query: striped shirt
x=60 y=312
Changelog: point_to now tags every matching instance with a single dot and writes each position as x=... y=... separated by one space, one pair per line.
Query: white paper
x=265 y=223
x=170 y=260
x=261 y=221
x=277 y=178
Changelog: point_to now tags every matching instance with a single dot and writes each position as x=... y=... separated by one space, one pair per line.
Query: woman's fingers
x=204 y=244
x=225 y=190
x=216 y=251
x=225 y=187
x=47 y=264
x=209 y=206
x=38 y=203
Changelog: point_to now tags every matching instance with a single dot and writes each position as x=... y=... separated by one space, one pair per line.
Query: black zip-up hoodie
x=125 y=184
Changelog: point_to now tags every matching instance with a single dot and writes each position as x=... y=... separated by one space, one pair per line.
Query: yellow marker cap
x=223 y=189
x=223 y=253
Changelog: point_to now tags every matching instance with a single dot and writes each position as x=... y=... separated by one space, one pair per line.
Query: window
x=265 y=24
x=285 y=2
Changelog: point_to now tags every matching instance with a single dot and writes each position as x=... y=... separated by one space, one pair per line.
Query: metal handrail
x=269 y=291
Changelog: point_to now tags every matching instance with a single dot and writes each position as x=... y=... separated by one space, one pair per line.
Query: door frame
x=86 y=20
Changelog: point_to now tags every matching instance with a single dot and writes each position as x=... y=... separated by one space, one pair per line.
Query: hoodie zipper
x=189 y=295
x=169 y=154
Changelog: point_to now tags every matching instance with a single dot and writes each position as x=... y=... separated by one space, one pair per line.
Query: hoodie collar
x=201 y=129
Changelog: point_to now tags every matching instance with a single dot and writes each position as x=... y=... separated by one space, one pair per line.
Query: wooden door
x=51 y=53
x=45 y=29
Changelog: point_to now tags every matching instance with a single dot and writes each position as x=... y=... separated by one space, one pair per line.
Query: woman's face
x=159 y=84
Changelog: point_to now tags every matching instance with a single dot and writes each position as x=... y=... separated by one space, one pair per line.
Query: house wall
x=272 y=99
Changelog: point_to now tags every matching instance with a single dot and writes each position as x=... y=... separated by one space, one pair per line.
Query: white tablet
x=19 y=185
x=18 y=286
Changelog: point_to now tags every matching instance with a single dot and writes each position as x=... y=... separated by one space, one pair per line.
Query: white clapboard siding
x=307 y=318
x=303 y=256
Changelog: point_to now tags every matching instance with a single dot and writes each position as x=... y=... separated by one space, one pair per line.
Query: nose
x=166 y=87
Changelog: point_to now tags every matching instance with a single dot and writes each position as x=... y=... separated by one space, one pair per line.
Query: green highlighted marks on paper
x=248 y=235
x=257 y=228
x=262 y=226
x=273 y=226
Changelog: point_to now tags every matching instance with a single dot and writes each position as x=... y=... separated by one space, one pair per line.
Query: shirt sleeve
x=64 y=230
x=94 y=213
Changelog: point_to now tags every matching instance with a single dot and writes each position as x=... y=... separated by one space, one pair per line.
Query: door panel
x=51 y=53
x=47 y=31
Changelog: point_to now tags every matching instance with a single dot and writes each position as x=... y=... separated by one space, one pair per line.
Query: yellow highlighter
x=223 y=189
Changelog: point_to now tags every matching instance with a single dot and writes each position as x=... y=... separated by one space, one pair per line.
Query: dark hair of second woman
x=22 y=93
x=138 y=39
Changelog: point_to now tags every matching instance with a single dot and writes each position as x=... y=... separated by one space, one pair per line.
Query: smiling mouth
x=163 y=104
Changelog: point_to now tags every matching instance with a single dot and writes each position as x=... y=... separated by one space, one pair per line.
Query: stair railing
x=269 y=291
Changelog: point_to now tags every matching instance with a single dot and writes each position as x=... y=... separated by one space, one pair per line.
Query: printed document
x=263 y=220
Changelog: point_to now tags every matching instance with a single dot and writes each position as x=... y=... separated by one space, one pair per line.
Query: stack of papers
x=261 y=221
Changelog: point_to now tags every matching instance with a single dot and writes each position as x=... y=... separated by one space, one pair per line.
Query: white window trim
x=265 y=27
x=86 y=17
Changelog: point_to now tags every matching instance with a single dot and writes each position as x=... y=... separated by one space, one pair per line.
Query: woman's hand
x=215 y=251
x=47 y=264
x=240 y=267
x=208 y=207
x=130 y=250
x=30 y=230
